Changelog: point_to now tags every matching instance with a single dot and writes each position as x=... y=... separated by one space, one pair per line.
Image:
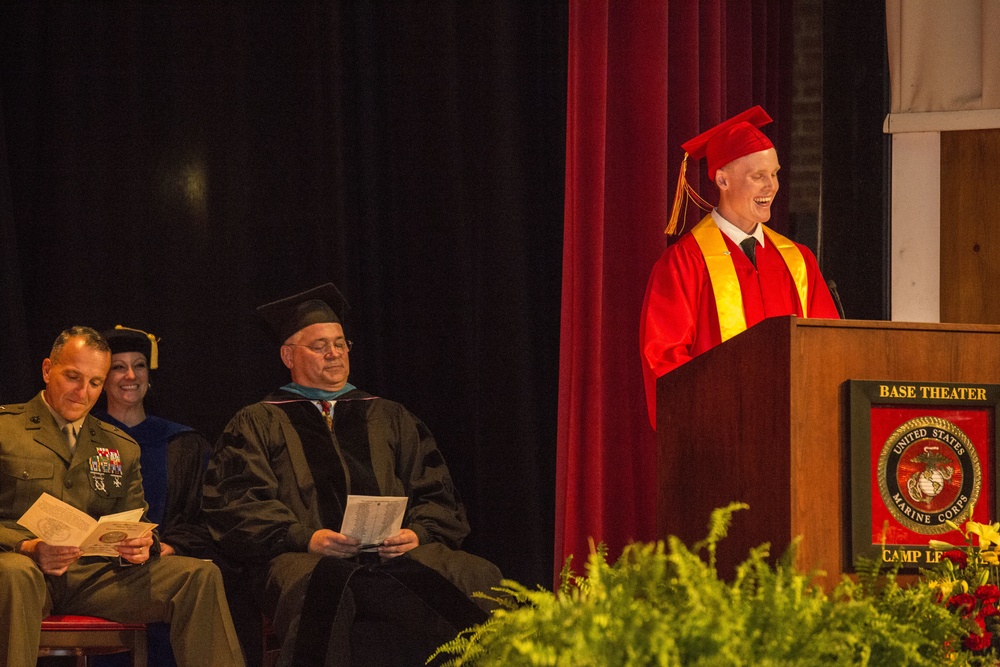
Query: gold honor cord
x=725 y=283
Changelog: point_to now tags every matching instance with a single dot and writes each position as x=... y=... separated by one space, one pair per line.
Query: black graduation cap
x=320 y=304
x=124 y=339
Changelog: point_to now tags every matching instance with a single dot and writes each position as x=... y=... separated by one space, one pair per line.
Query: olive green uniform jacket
x=102 y=476
x=35 y=458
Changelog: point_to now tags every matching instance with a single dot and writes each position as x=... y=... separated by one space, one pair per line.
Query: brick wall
x=807 y=114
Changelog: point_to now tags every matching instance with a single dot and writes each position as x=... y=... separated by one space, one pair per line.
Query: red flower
x=963 y=603
x=978 y=642
x=959 y=558
x=988 y=609
x=988 y=594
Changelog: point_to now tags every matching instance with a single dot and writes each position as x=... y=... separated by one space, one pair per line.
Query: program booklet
x=371 y=519
x=62 y=525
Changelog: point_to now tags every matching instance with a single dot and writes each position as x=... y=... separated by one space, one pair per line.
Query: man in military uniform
x=52 y=445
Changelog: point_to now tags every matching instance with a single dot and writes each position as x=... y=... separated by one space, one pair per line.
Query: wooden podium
x=763 y=419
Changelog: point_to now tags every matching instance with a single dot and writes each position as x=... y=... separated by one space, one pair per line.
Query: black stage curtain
x=857 y=165
x=170 y=166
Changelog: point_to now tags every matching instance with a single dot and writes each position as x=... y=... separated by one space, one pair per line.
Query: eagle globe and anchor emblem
x=926 y=484
x=929 y=473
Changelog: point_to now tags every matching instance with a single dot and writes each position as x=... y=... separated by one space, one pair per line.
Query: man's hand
x=136 y=549
x=398 y=544
x=331 y=543
x=51 y=560
x=166 y=550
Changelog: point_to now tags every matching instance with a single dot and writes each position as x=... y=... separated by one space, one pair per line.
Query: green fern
x=664 y=604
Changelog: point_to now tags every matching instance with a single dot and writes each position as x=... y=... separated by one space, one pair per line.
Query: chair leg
x=139 y=650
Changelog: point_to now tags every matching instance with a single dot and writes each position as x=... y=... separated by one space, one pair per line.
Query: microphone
x=836 y=298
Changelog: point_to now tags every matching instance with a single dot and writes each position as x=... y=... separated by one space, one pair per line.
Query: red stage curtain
x=643 y=77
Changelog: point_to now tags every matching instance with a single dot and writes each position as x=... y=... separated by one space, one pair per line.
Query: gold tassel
x=154 y=353
x=682 y=195
x=678 y=198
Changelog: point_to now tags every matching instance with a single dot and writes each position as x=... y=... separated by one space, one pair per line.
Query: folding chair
x=83 y=636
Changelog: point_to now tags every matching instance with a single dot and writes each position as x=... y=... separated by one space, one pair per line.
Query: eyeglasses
x=324 y=347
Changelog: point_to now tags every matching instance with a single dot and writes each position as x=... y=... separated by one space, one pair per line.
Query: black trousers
x=331 y=612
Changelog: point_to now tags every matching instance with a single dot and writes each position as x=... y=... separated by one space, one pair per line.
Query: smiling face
x=128 y=381
x=747 y=187
x=74 y=377
x=317 y=356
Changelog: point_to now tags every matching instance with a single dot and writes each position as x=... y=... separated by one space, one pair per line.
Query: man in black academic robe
x=275 y=494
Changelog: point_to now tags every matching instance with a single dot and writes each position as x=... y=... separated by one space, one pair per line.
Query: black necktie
x=749 y=245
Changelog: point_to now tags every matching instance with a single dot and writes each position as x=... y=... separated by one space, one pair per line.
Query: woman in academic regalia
x=172 y=459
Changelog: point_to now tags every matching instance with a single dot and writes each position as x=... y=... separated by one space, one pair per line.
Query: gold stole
x=722 y=273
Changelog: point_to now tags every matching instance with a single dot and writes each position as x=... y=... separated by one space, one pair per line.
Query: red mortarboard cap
x=727 y=141
x=730 y=140
x=318 y=305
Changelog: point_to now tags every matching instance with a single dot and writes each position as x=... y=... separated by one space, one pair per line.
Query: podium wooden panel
x=762 y=419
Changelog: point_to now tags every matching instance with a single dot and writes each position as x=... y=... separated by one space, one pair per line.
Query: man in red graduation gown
x=730 y=271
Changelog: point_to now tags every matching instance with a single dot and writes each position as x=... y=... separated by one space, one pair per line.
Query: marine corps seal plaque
x=922 y=457
x=929 y=473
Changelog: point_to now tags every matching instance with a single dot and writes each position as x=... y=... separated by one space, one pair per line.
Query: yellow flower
x=954 y=526
x=945 y=586
x=990 y=557
x=989 y=534
x=940 y=545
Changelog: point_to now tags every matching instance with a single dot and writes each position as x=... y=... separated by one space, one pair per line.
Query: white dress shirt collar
x=736 y=234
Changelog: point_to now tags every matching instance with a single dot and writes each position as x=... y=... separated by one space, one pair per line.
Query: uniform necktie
x=70 y=433
x=749 y=245
x=327 y=409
